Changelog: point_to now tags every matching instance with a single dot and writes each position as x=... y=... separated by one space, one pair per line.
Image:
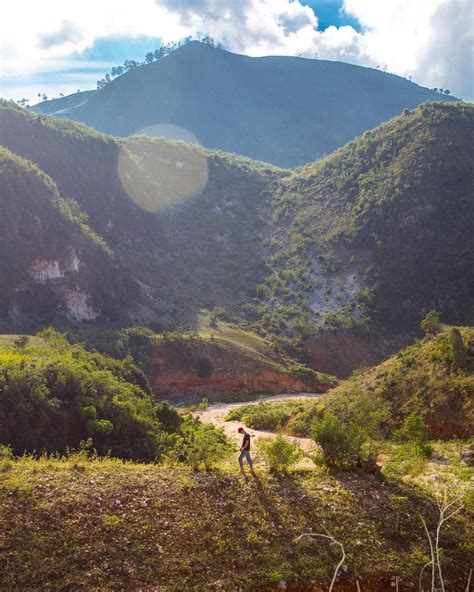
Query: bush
x=279 y=453
x=414 y=431
x=263 y=416
x=430 y=325
x=54 y=395
x=204 y=367
x=341 y=443
x=200 y=444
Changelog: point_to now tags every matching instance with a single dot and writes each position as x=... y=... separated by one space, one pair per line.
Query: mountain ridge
x=281 y=109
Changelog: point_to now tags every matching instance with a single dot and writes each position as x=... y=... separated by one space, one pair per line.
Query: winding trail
x=217 y=412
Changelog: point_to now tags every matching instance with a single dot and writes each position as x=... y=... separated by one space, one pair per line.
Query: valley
x=290 y=251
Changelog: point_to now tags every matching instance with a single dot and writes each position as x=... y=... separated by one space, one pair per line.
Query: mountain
x=52 y=264
x=344 y=256
x=185 y=222
x=283 y=110
x=379 y=230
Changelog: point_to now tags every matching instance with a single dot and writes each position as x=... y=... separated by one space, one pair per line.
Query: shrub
x=430 y=325
x=414 y=431
x=200 y=444
x=280 y=453
x=204 y=367
x=341 y=443
x=56 y=395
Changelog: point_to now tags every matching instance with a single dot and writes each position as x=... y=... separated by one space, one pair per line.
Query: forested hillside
x=52 y=265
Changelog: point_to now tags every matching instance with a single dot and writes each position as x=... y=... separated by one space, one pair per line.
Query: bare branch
x=469 y=581
x=420 y=580
x=432 y=562
x=329 y=537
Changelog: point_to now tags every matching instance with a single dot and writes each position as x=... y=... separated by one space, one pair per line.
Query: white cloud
x=431 y=40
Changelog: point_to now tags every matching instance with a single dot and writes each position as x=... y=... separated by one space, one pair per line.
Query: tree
x=21 y=342
x=447 y=92
x=457 y=351
x=204 y=367
x=430 y=325
x=149 y=57
x=200 y=444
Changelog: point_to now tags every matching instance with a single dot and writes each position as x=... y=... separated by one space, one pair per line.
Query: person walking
x=245 y=450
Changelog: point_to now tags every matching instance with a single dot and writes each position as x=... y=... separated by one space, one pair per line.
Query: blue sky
x=66 y=45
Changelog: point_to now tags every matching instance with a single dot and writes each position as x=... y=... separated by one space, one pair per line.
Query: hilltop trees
x=152 y=56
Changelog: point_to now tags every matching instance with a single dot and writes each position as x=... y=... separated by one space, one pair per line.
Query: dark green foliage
x=204 y=367
x=262 y=416
x=341 y=443
x=430 y=324
x=414 y=431
x=458 y=353
x=55 y=395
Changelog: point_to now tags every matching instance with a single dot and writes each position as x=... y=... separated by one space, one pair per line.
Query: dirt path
x=217 y=412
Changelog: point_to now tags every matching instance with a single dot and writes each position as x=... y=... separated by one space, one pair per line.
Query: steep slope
x=380 y=231
x=284 y=110
x=52 y=265
x=224 y=361
x=186 y=222
x=343 y=255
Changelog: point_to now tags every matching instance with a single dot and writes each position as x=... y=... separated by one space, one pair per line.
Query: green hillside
x=102 y=525
x=196 y=242
x=345 y=254
x=434 y=378
x=53 y=265
x=378 y=232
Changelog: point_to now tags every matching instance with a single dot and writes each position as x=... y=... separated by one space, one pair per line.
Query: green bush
x=430 y=324
x=200 y=444
x=414 y=431
x=263 y=416
x=55 y=395
x=341 y=443
x=280 y=453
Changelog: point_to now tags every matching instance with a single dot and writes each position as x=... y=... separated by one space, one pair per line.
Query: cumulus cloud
x=431 y=40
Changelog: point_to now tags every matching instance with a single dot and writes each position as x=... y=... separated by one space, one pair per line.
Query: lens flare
x=157 y=173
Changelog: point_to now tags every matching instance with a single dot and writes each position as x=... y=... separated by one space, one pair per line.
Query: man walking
x=245 y=450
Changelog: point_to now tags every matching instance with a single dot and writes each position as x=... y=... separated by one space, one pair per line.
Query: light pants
x=245 y=454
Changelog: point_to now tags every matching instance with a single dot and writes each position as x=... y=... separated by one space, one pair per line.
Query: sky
x=60 y=46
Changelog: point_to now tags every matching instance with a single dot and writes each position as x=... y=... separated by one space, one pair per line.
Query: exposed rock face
x=175 y=383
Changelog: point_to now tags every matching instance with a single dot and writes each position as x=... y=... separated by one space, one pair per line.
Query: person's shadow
x=264 y=498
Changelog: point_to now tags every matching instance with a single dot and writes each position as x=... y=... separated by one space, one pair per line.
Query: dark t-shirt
x=246 y=441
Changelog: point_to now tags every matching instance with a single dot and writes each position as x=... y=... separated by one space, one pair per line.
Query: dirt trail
x=217 y=412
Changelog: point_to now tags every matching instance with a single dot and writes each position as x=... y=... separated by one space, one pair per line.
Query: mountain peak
x=287 y=111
